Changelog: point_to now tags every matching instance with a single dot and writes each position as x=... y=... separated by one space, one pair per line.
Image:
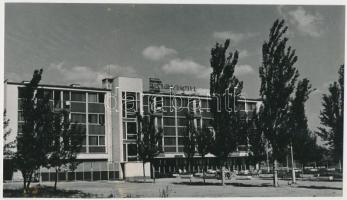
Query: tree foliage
x=278 y=77
x=204 y=141
x=257 y=139
x=222 y=84
x=66 y=143
x=8 y=145
x=189 y=139
x=33 y=144
x=149 y=139
x=331 y=117
x=304 y=141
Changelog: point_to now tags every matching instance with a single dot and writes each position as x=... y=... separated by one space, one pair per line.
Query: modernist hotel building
x=108 y=117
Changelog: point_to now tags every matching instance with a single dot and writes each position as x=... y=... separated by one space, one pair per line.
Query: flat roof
x=65 y=87
x=191 y=95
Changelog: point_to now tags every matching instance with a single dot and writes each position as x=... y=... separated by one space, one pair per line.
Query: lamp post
x=293 y=166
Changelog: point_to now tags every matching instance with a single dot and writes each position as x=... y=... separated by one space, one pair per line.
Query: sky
x=83 y=43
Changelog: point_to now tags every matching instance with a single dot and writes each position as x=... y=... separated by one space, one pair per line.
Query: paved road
x=183 y=188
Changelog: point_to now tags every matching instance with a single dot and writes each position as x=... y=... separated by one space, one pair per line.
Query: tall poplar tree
x=149 y=141
x=33 y=143
x=278 y=77
x=331 y=117
x=225 y=89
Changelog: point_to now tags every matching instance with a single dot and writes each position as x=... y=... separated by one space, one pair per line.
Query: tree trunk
x=222 y=174
x=275 y=178
x=153 y=172
x=203 y=168
x=24 y=182
x=56 y=179
x=144 y=171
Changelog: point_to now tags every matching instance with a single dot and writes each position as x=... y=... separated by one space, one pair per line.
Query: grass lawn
x=177 y=187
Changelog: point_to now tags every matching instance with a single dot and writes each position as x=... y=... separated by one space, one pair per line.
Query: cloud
x=304 y=22
x=234 y=37
x=243 y=70
x=186 y=66
x=157 y=53
x=243 y=54
x=84 y=75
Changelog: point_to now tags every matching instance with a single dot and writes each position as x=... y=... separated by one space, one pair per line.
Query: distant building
x=108 y=117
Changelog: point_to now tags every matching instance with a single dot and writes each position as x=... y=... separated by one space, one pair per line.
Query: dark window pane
x=169 y=121
x=20 y=127
x=93 y=118
x=169 y=140
x=20 y=116
x=92 y=97
x=167 y=101
x=170 y=149
x=132 y=150
x=78 y=96
x=131 y=137
x=101 y=119
x=66 y=95
x=21 y=92
x=96 y=130
x=180 y=149
x=20 y=104
x=84 y=141
x=124 y=131
x=101 y=140
x=78 y=107
x=101 y=97
x=57 y=100
x=181 y=121
x=78 y=118
x=180 y=140
x=181 y=131
x=93 y=140
x=96 y=108
x=124 y=152
x=169 y=131
x=131 y=128
x=97 y=150
x=145 y=100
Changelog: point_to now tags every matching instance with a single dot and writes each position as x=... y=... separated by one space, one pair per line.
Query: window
x=21 y=92
x=20 y=116
x=132 y=150
x=101 y=140
x=180 y=140
x=57 y=99
x=93 y=140
x=181 y=131
x=20 y=104
x=131 y=127
x=93 y=118
x=92 y=97
x=169 y=149
x=101 y=97
x=78 y=96
x=168 y=121
x=169 y=131
x=101 y=119
x=66 y=96
x=78 y=118
x=181 y=121
x=124 y=131
x=78 y=107
x=169 y=140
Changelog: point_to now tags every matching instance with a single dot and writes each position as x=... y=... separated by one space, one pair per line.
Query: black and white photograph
x=172 y=100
